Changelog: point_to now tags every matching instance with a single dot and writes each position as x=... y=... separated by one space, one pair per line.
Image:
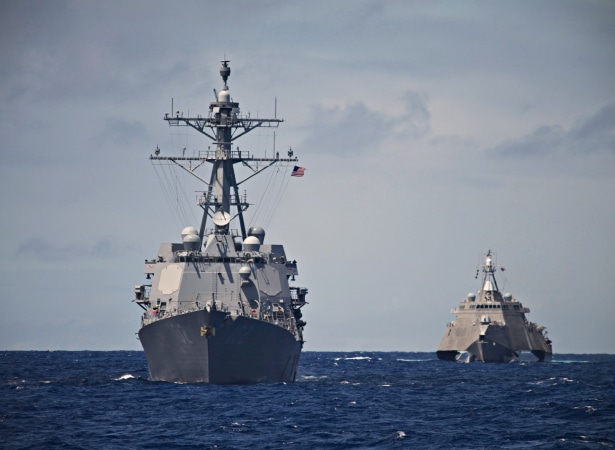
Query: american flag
x=298 y=171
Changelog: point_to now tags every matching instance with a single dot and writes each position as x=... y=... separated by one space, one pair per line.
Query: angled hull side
x=214 y=347
x=492 y=343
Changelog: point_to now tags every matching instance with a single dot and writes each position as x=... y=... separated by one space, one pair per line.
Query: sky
x=431 y=132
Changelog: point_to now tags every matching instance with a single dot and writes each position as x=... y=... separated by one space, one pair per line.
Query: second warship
x=491 y=327
x=218 y=306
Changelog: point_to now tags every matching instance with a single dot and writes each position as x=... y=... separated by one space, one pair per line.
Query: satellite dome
x=189 y=230
x=251 y=244
x=245 y=272
x=258 y=232
x=191 y=242
x=471 y=296
x=508 y=297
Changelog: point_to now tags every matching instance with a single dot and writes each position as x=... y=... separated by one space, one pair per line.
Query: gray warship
x=218 y=306
x=491 y=327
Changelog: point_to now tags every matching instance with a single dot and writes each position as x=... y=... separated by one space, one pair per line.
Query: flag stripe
x=298 y=171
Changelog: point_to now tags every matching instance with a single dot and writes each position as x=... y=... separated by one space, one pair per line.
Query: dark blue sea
x=86 y=400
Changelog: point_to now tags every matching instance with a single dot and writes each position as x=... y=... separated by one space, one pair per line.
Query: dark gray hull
x=214 y=347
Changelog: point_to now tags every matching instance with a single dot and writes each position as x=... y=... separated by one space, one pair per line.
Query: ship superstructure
x=491 y=327
x=218 y=306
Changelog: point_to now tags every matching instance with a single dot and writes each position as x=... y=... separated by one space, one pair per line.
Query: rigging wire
x=273 y=194
x=281 y=193
x=169 y=179
x=261 y=205
x=175 y=194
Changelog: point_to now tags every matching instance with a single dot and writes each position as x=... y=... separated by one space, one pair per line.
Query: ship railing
x=195 y=256
x=232 y=154
x=229 y=303
x=209 y=198
x=288 y=323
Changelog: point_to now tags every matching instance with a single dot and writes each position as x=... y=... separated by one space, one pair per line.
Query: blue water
x=85 y=400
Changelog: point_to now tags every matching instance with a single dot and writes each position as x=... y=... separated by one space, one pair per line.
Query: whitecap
x=354 y=358
x=568 y=361
x=588 y=408
x=313 y=377
x=125 y=377
x=395 y=436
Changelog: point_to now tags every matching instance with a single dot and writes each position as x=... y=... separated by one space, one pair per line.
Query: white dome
x=258 y=232
x=251 y=244
x=191 y=242
x=224 y=96
x=189 y=230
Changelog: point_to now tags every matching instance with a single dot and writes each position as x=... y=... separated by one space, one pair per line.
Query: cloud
x=542 y=141
x=357 y=129
x=44 y=250
x=595 y=135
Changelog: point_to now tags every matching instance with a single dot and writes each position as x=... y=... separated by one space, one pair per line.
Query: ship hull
x=495 y=345
x=215 y=347
x=482 y=352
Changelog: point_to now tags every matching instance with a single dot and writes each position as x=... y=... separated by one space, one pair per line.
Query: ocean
x=341 y=400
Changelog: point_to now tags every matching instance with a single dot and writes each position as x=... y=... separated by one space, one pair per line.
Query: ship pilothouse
x=222 y=291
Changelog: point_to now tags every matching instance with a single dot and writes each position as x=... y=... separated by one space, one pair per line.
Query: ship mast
x=223 y=125
x=489 y=269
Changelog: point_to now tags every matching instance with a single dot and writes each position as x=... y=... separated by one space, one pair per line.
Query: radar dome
x=225 y=70
x=251 y=244
x=257 y=232
x=191 y=242
x=245 y=272
x=224 y=96
x=508 y=297
x=471 y=296
x=189 y=230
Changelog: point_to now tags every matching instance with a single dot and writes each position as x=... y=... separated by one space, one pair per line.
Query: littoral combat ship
x=219 y=308
x=492 y=327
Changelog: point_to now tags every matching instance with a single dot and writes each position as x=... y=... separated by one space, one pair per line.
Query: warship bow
x=218 y=306
x=491 y=327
